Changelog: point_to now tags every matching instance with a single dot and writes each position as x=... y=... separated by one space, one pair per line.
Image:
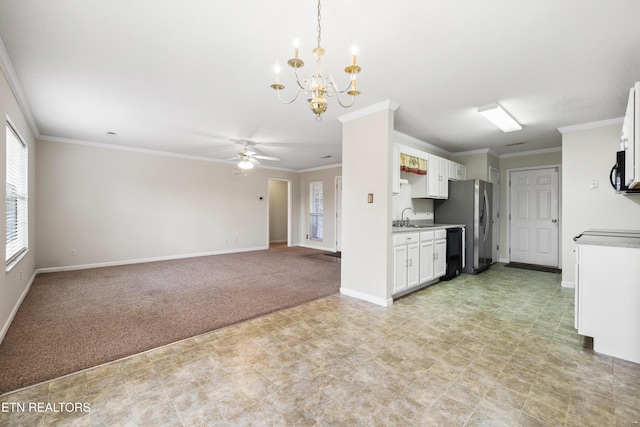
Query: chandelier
x=317 y=85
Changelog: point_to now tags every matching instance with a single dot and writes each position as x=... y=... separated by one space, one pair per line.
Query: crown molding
x=404 y=139
x=380 y=106
x=532 y=152
x=46 y=138
x=591 y=125
x=16 y=88
x=319 y=168
x=474 y=152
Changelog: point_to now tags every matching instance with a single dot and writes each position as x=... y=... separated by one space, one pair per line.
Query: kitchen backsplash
x=423 y=207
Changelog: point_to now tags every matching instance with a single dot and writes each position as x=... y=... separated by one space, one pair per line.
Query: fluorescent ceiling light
x=496 y=115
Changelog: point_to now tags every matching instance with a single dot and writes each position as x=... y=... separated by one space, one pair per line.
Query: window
x=17 y=196
x=315 y=195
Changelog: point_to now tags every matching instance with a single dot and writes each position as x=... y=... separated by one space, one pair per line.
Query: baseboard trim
x=365 y=297
x=320 y=248
x=143 y=260
x=567 y=284
x=16 y=307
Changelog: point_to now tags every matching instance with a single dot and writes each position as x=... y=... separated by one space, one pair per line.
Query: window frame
x=316 y=211
x=16 y=195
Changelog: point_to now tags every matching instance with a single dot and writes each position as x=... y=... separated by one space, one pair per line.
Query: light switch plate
x=370 y=198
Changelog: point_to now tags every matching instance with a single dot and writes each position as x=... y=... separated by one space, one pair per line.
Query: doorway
x=279 y=201
x=494 y=178
x=339 y=214
x=534 y=216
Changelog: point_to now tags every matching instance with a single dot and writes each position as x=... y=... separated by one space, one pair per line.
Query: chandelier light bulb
x=296 y=46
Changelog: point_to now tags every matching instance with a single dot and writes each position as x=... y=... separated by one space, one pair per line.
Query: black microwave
x=616 y=176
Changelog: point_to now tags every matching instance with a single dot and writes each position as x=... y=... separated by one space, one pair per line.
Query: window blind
x=17 y=237
x=316 y=208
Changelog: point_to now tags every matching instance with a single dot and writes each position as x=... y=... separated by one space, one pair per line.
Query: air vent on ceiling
x=326 y=157
x=112 y=134
x=515 y=143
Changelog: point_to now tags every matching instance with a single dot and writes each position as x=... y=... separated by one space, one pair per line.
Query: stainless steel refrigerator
x=469 y=203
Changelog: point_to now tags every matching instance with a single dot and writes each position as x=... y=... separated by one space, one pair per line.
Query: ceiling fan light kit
x=245 y=164
x=249 y=158
x=317 y=85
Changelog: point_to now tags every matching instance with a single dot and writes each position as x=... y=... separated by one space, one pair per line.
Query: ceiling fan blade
x=273 y=159
x=254 y=160
x=232 y=158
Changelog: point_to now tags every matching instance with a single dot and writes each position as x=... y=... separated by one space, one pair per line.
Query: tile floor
x=496 y=349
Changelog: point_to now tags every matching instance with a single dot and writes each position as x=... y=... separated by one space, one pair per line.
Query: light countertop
x=418 y=228
x=616 y=238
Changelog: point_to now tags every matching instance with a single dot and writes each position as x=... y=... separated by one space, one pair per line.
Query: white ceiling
x=190 y=76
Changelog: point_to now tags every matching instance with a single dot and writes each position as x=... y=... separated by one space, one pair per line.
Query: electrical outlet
x=74 y=252
x=594 y=184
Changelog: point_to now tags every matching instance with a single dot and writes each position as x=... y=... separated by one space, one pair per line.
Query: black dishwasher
x=454 y=253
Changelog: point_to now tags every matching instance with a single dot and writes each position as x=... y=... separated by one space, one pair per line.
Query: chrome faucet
x=404 y=222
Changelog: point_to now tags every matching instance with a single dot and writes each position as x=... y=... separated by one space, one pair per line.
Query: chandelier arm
x=331 y=83
x=353 y=100
x=284 y=101
x=301 y=86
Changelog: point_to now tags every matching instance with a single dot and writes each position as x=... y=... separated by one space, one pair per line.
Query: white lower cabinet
x=440 y=261
x=418 y=258
x=427 y=255
x=607 y=296
x=406 y=261
x=433 y=255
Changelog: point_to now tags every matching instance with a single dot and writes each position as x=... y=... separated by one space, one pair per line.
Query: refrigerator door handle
x=486 y=213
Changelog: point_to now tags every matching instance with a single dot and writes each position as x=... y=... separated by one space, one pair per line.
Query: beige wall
x=588 y=155
x=115 y=206
x=366 y=227
x=328 y=178
x=15 y=283
x=477 y=164
x=507 y=163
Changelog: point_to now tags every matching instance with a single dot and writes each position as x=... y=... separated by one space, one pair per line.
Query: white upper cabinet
x=457 y=171
x=437 y=176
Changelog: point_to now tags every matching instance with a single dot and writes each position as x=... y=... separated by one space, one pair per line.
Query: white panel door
x=426 y=261
x=440 y=258
x=400 y=262
x=339 y=214
x=413 y=267
x=534 y=226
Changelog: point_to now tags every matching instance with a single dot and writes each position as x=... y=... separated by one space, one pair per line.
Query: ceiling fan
x=249 y=157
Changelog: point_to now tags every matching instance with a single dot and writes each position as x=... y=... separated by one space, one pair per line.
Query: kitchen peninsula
x=607 y=291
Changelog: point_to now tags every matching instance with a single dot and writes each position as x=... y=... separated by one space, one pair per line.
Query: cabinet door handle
x=410 y=262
